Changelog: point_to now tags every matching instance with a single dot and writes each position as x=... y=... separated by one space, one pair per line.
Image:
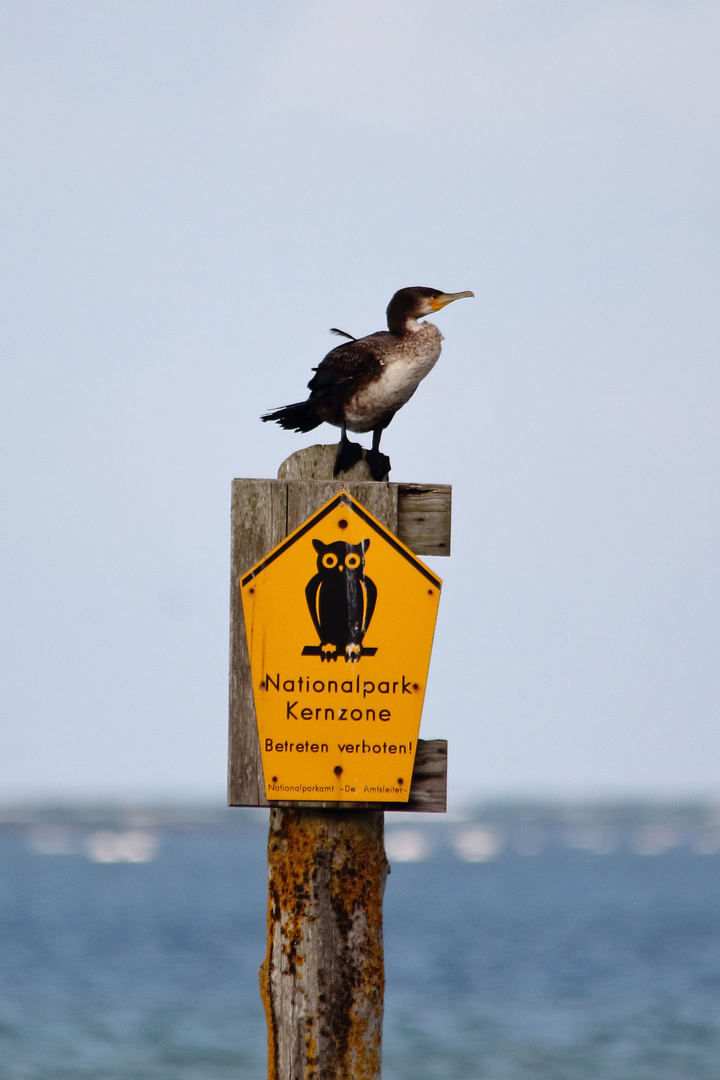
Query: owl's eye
x=329 y=561
x=352 y=562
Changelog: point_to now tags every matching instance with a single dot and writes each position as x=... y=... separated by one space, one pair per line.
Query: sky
x=192 y=193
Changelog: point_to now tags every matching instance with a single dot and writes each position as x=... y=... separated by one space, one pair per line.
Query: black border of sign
x=342 y=499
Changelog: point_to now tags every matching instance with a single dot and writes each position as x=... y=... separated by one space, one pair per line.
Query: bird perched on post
x=361 y=384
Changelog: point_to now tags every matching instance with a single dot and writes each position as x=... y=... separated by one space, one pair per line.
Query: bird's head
x=409 y=305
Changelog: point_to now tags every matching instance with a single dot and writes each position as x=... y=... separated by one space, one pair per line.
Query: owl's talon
x=328 y=652
x=353 y=652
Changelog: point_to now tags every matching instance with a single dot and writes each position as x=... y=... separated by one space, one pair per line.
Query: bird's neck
x=400 y=325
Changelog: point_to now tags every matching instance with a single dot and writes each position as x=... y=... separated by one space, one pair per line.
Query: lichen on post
x=322 y=981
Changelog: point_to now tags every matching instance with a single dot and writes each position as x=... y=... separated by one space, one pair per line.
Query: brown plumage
x=361 y=384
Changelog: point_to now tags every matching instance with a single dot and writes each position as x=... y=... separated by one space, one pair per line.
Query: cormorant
x=361 y=384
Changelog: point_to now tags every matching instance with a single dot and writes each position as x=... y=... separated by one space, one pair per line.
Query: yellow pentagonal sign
x=340 y=619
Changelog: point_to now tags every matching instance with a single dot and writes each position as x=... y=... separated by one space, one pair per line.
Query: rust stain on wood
x=323 y=979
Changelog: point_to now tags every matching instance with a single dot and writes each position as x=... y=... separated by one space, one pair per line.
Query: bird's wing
x=350 y=362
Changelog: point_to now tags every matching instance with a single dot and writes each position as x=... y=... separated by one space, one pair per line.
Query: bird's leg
x=348 y=454
x=379 y=463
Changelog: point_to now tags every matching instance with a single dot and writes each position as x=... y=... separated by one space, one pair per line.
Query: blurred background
x=192 y=194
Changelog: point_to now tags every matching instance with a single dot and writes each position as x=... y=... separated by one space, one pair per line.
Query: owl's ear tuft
x=318 y=545
x=364 y=544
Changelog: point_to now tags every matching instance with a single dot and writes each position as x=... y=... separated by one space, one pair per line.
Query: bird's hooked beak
x=443 y=299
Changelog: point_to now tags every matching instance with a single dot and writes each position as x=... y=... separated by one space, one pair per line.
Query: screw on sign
x=340 y=620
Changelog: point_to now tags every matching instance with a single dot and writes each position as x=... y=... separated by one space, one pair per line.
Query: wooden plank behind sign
x=264 y=512
x=419 y=514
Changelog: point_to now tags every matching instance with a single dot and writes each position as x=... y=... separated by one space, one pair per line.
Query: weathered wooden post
x=322 y=981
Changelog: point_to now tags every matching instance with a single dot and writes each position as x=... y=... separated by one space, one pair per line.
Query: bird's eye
x=329 y=561
x=352 y=562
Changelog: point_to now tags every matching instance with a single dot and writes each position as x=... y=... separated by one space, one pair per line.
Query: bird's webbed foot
x=379 y=464
x=348 y=454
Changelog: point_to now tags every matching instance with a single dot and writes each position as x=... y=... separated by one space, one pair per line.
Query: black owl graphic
x=341 y=600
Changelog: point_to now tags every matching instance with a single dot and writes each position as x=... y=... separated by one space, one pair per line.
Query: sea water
x=129 y=949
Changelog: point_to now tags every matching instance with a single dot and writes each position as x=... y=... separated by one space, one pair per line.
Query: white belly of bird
x=380 y=399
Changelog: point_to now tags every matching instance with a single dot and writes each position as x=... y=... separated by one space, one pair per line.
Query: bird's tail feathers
x=299 y=417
